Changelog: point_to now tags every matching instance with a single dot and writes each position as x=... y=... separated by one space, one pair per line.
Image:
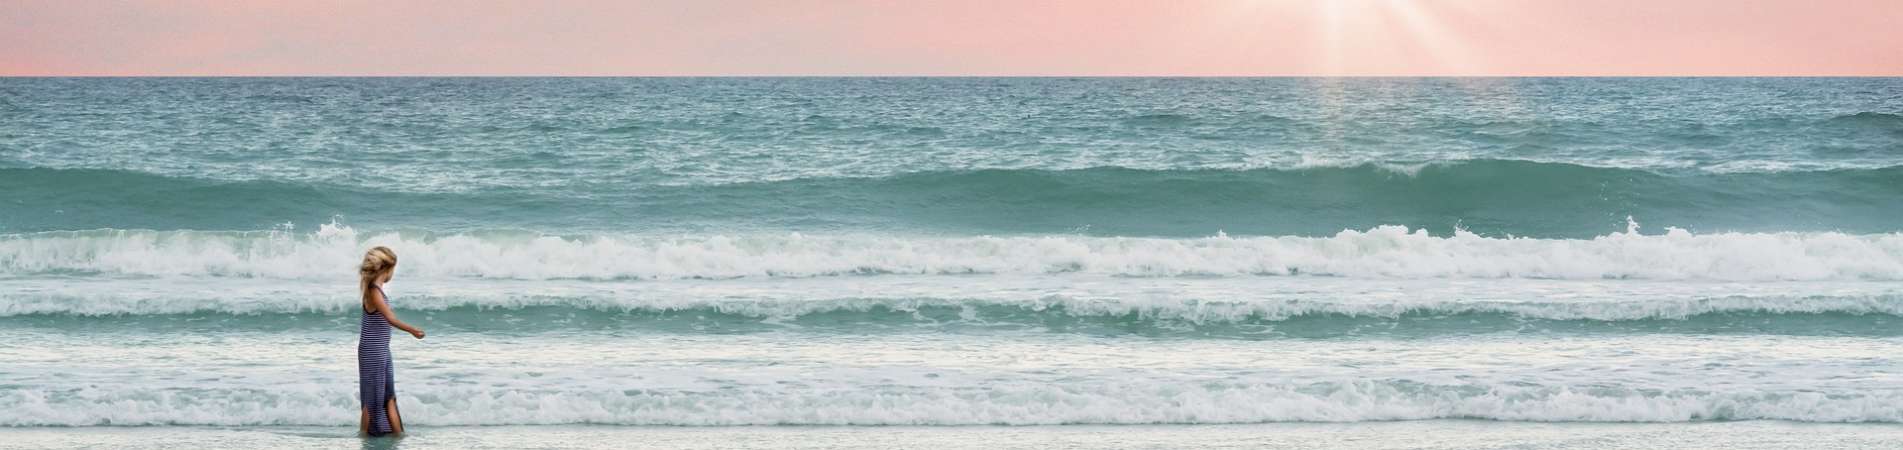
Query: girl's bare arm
x=376 y=300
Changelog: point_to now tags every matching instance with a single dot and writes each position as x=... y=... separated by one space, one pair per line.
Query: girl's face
x=385 y=278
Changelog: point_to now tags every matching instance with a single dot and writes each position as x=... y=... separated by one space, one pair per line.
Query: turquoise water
x=178 y=253
x=1567 y=158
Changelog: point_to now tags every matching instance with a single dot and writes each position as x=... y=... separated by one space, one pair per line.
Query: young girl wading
x=376 y=380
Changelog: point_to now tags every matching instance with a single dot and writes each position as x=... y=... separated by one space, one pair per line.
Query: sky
x=954 y=38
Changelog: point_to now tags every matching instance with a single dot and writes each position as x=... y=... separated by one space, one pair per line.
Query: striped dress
x=376 y=383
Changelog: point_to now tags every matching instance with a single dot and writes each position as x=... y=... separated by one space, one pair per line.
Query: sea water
x=885 y=262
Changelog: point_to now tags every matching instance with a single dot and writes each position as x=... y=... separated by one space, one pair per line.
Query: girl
x=376 y=383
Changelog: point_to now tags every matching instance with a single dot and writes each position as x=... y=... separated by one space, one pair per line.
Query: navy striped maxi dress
x=376 y=383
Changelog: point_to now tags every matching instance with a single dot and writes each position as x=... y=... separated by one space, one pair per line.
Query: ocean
x=958 y=262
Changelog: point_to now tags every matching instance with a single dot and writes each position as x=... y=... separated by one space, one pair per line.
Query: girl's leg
x=363 y=426
x=396 y=421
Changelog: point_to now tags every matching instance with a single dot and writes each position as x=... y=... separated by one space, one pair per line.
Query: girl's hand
x=417 y=332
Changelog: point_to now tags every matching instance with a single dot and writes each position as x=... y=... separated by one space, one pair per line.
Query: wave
x=1199 y=308
x=967 y=298
x=1493 y=197
x=1135 y=401
x=1797 y=316
x=1877 y=120
x=1385 y=252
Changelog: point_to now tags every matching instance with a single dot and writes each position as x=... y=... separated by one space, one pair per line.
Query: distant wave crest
x=1494 y=197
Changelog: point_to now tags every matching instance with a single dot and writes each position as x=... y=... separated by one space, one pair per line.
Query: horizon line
x=936 y=76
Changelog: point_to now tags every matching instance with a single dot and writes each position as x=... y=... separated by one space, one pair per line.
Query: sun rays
x=1380 y=37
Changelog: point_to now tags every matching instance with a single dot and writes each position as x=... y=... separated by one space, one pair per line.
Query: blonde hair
x=376 y=262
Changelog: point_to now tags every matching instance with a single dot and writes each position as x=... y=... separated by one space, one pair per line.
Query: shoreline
x=1350 y=435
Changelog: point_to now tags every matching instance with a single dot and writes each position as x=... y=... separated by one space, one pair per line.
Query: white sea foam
x=1382 y=252
x=473 y=377
x=1227 y=300
x=1181 y=402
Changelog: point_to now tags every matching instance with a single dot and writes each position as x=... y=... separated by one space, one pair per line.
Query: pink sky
x=975 y=37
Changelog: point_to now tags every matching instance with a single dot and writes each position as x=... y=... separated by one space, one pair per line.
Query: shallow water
x=1350 y=436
